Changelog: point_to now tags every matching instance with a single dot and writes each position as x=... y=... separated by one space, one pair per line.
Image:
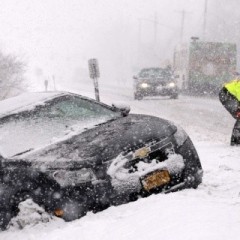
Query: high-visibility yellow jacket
x=234 y=88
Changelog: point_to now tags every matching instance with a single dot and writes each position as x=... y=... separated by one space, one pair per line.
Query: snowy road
x=211 y=212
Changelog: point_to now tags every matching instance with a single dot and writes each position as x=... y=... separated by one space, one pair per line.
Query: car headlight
x=171 y=84
x=180 y=135
x=144 y=85
x=72 y=178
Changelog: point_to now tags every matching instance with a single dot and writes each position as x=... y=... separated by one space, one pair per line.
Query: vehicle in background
x=202 y=67
x=71 y=154
x=155 y=82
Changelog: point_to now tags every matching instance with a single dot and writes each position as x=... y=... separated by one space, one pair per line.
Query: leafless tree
x=11 y=76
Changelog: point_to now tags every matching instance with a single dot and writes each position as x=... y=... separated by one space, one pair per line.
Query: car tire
x=13 y=209
x=10 y=210
x=174 y=96
x=5 y=217
x=138 y=96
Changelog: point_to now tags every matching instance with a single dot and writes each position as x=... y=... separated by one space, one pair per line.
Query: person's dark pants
x=235 y=139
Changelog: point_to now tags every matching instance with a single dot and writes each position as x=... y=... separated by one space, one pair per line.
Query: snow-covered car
x=155 y=82
x=71 y=154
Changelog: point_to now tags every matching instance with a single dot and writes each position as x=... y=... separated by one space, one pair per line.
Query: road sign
x=93 y=68
x=94 y=74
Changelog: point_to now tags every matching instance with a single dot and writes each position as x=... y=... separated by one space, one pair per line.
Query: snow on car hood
x=27 y=136
x=104 y=142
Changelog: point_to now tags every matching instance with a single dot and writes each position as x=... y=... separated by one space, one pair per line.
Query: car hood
x=100 y=144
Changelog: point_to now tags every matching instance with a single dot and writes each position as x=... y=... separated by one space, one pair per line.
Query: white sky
x=59 y=36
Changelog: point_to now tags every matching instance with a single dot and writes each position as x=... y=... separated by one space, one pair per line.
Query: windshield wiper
x=23 y=152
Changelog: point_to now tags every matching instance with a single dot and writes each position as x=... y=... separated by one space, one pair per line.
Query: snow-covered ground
x=211 y=212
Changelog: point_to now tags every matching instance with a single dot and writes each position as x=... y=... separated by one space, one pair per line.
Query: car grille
x=158 y=150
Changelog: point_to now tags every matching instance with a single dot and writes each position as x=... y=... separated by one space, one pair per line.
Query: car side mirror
x=121 y=107
x=135 y=77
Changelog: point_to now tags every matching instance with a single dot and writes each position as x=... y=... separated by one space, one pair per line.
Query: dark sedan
x=155 y=82
x=71 y=154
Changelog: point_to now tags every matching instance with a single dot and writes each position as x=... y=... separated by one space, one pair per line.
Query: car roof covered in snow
x=26 y=101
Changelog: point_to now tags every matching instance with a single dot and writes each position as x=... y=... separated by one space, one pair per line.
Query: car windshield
x=155 y=73
x=54 y=121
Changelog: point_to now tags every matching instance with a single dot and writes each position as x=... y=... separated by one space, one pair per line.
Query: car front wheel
x=174 y=96
x=5 y=217
x=138 y=96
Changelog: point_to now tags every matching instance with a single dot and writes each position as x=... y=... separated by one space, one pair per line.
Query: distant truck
x=202 y=67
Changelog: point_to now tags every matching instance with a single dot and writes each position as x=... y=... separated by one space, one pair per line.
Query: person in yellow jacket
x=229 y=96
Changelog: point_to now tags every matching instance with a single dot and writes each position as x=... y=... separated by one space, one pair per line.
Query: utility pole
x=155 y=28
x=139 y=32
x=182 y=25
x=205 y=19
x=139 y=41
x=154 y=21
x=183 y=15
x=156 y=25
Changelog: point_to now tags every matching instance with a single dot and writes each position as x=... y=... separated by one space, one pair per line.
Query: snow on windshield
x=26 y=101
x=50 y=123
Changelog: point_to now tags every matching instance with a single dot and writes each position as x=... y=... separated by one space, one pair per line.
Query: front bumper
x=157 y=91
x=177 y=167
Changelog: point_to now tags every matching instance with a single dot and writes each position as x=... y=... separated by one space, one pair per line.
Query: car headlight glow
x=144 y=85
x=171 y=84
x=72 y=178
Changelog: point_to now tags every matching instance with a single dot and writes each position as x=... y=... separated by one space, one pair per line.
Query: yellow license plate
x=156 y=179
